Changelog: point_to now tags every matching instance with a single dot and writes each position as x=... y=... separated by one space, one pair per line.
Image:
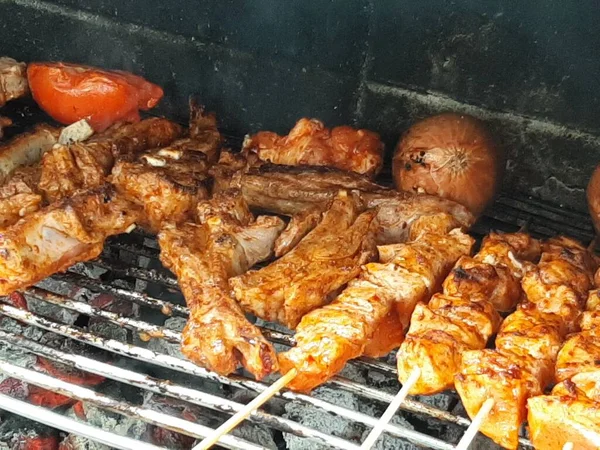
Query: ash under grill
x=119 y=318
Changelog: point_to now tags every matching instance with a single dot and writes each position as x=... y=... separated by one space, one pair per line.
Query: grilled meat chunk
x=523 y=363
x=13 y=80
x=581 y=352
x=60 y=235
x=570 y=414
x=323 y=262
x=311 y=143
x=169 y=182
x=20 y=196
x=69 y=169
x=330 y=336
x=26 y=149
x=464 y=316
x=225 y=242
x=301 y=192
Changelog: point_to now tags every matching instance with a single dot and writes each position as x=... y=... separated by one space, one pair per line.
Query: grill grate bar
x=55 y=420
x=137 y=412
x=171 y=389
x=187 y=367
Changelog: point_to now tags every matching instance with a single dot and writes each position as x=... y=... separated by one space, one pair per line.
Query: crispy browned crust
x=60 y=235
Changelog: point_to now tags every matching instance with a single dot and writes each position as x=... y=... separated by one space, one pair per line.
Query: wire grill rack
x=508 y=214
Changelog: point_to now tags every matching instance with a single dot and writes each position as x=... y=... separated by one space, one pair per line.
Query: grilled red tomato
x=69 y=92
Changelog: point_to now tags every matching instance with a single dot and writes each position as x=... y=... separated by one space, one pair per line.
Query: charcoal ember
x=453 y=434
x=115 y=305
x=17 y=300
x=51 y=311
x=74 y=442
x=15 y=327
x=15 y=388
x=259 y=434
x=88 y=270
x=60 y=287
x=176 y=408
x=388 y=442
x=15 y=356
x=318 y=419
x=162 y=345
x=19 y=433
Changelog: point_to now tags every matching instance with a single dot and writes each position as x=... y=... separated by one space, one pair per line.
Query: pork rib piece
x=13 y=80
x=311 y=143
x=60 y=235
x=68 y=169
x=225 y=242
x=304 y=193
x=323 y=262
x=169 y=182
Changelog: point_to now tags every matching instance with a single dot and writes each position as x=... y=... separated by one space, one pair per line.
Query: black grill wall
x=530 y=69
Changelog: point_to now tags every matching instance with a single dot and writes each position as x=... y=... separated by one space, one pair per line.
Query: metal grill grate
x=119 y=277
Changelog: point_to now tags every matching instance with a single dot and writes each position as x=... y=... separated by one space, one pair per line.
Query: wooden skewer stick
x=568 y=446
x=391 y=410
x=245 y=412
x=475 y=425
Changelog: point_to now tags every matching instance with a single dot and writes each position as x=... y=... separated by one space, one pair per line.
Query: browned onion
x=593 y=198
x=452 y=156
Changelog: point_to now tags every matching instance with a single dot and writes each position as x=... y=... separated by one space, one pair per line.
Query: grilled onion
x=452 y=156
x=593 y=198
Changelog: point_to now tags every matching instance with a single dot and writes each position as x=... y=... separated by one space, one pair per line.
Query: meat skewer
x=465 y=315
x=323 y=262
x=570 y=412
x=330 y=336
x=523 y=363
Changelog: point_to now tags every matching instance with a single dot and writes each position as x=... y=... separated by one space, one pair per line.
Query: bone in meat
x=225 y=242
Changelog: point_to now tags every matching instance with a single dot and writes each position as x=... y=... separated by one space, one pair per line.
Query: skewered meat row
x=60 y=235
x=226 y=241
x=311 y=143
x=68 y=169
x=572 y=412
x=465 y=315
x=323 y=262
x=523 y=363
x=13 y=80
x=329 y=337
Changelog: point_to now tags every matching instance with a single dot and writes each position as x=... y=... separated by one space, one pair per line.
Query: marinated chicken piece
x=13 y=80
x=301 y=192
x=330 y=336
x=523 y=363
x=581 y=352
x=225 y=242
x=465 y=315
x=20 y=196
x=26 y=149
x=60 y=235
x=323 y=262
x=311 y=143
x=69 y=169
x=388 y=336
x=5 y=122
x=571 y=414
x=169 y=182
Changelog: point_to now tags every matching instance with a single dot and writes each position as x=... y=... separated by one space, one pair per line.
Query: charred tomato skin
x=69 y=92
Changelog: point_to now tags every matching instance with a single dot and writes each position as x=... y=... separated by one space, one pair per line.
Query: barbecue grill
x=116 y=317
